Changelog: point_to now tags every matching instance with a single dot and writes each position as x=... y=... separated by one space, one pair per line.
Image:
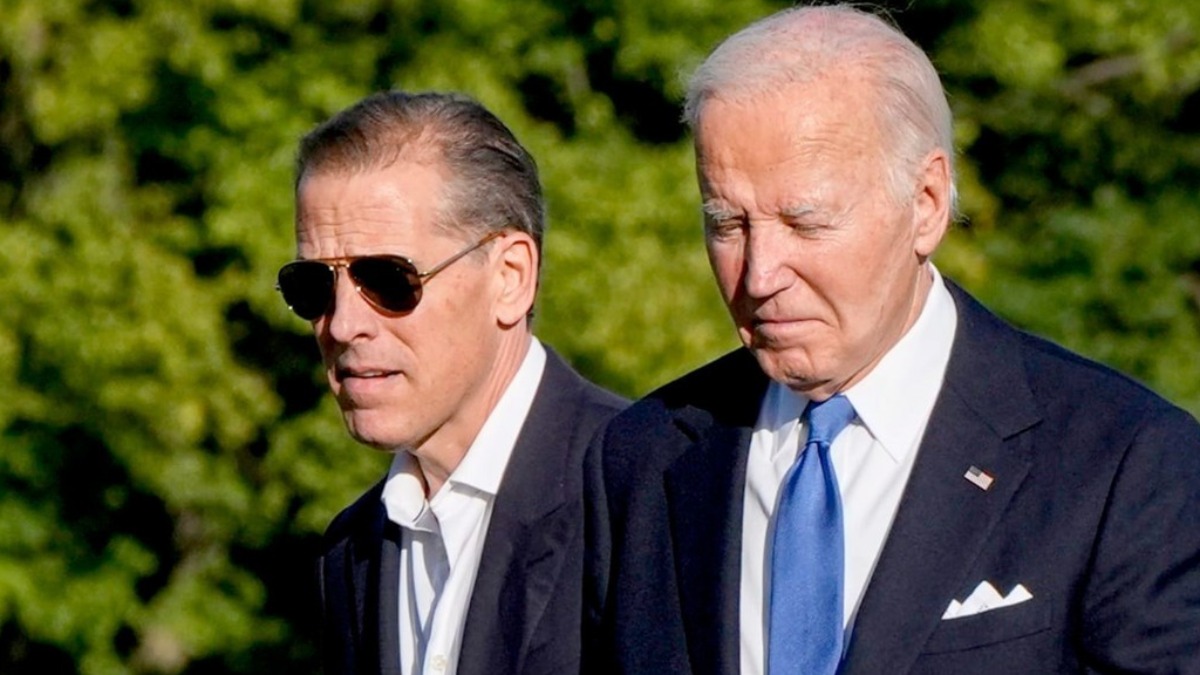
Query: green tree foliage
x=168 y=454
x=1080 y=122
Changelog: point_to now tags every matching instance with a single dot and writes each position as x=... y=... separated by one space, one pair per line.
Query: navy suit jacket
x=524 y=611
x=1094 y=508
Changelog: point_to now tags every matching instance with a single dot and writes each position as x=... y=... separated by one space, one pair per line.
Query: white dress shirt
x=872 y=458
x=442 y=538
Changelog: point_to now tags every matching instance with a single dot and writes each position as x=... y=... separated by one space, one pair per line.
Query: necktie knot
x=827 y=419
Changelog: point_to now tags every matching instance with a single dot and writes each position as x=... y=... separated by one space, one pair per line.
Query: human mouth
x=363 y=383
x=363 y=373
x=768 y=322
x=776 y=328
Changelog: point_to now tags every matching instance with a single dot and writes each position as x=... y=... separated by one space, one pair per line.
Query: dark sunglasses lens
x=391 y=283
x=307 y=287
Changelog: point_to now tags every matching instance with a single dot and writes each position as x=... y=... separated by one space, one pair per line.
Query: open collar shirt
x=442 y=537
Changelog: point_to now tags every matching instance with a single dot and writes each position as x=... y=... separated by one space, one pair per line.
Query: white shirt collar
x=404 y=495
x=894 y=400
x=910 y=372
x=482 y=468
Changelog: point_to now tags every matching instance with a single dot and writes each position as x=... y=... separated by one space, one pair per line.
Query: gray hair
x=799 y=44
x=493 y=180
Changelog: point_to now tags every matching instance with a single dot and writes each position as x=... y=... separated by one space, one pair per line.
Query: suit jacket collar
x=388 y=582
x=943 y=520
x=704 y=493
x=372 y=551
x=535 y=519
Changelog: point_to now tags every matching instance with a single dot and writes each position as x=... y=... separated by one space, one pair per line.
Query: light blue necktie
x=808 y=553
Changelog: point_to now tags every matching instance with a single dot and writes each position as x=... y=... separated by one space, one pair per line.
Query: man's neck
x=440 y=454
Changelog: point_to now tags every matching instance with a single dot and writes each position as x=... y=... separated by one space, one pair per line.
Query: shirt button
x=439 y=663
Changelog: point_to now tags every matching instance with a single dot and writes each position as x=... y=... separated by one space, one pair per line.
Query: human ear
x=932 y=203
x=517 y=275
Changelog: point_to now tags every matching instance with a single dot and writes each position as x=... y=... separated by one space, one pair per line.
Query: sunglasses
x=388 y=283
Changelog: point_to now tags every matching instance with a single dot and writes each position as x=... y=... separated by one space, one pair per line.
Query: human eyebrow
x=717 y=211
x=798 y=211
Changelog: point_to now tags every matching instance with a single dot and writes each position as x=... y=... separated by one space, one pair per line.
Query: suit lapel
x=704 y=500
x=371 y=578
x=704 y=489
x=387 y=603
x=944 y=520
x=534 y=521
x=522 y=565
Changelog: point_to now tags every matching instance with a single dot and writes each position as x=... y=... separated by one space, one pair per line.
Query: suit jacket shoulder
x=1048 y=381
x=652 y=432
x=362 y=515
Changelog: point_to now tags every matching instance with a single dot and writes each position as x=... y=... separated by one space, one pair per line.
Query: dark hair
x=492 y=180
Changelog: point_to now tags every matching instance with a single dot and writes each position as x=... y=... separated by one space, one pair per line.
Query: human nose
x=349 y=316
x=765 y=269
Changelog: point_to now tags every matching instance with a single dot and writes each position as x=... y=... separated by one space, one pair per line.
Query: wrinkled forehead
x=386 y=210
x=789 y=153
x=822 y=119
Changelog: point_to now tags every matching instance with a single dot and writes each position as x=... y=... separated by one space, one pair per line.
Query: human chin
x=379 y=429
x=372 y=408
x=794 y=367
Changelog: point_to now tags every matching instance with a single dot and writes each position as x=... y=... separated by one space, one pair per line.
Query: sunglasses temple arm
x=425 y=276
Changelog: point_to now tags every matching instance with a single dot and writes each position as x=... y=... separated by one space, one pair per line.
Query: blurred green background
x=168 y=454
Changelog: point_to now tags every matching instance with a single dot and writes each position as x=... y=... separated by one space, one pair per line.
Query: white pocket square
x=985 y=597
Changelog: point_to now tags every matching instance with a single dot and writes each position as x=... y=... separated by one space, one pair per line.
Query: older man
x=887 y=479
x=419 y=223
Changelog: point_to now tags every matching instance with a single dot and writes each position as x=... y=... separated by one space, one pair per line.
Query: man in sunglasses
x=419 y=222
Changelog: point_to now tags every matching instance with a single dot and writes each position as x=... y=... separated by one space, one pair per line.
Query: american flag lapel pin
x=981 y=479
